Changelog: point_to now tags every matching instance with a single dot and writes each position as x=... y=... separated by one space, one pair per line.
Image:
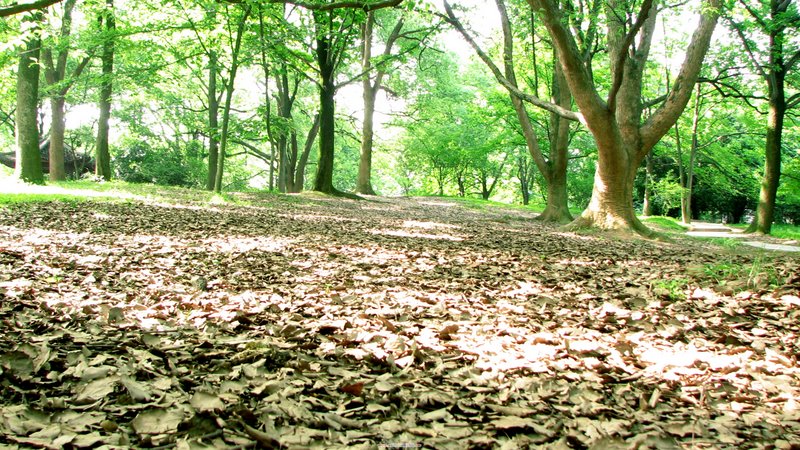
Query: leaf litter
x=301 y=322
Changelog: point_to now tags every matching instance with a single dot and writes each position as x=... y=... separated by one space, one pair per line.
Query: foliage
x=138 y=162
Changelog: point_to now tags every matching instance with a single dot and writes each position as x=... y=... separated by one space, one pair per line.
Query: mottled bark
x=28 y=166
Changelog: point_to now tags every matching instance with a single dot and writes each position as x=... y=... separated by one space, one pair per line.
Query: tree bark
x=213 y=121
x=302 y=161
x=102 y=153
x=554 y=170
x=56 y=147
x=774 y=73
x=326 y=59
x=765 y=212
x=28 y=166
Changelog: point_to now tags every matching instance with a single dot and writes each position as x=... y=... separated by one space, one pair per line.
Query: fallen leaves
x=300 y=323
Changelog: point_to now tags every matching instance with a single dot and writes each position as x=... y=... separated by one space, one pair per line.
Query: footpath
x=718 y=230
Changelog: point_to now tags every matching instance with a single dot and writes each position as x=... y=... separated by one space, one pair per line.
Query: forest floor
x=307 y=321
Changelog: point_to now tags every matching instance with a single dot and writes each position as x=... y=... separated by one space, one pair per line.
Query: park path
x=718 y=230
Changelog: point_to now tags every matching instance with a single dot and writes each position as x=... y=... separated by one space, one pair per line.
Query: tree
x=226 y=111
x=622 y=134
x=773 y=21
x=28 y=160
x=59 y=85
x=371 y=84
x=102 y=154
x=554 y=168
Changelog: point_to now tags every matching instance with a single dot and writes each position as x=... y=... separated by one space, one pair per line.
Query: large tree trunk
x=213 y=121
x=28 y=166
x=611 y=205
x=765 y=212
x=102 y=153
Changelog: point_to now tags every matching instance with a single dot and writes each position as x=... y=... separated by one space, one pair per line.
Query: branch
x=668 y=113
x=17 y=8
x=252 y=150
x=793 y=101
x=755 y=15
x=619 y=67
x=532 y=99
x=733 y=91
x=347 y=4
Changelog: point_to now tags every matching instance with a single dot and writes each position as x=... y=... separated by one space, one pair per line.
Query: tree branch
x=666 y=115
x=619 y=68
x=532 y=99
x=17 y=8
x=346 y=4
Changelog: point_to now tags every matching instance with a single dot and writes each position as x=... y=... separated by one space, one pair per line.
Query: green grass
x=665 y=223
x=14 y=192
x=7 y=199
x=786 y=231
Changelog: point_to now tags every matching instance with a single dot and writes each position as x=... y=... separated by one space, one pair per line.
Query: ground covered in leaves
x=299 y=322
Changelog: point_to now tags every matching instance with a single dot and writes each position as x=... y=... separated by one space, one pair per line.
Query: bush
x=138 y=162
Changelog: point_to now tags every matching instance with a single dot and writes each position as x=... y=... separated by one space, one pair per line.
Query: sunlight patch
x=428 y=225
x=407 y=234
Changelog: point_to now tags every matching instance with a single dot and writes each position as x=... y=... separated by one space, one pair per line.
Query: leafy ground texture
x=305 y=321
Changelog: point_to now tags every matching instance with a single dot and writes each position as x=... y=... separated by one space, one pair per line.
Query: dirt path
x=305 y=322
x=715 y=230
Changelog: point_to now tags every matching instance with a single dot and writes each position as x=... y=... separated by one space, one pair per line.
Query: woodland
x=399 y=224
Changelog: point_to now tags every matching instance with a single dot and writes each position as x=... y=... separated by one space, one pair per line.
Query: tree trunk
x=611 y=205
x=327 y=107
x=555 y=171
x=302 y=161
x=765 y=212
x=102 y=154
x=56 y=147
x=364 y=184
x=623 y=139
x=688 y=182
x=647 y=204
x=213 y=121
x=557 y=209
x=226 y=112
x=28 y=166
